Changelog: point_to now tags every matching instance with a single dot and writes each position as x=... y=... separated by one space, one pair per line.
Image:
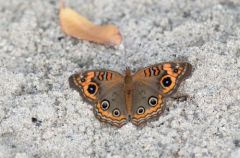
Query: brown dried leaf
x=79 y=27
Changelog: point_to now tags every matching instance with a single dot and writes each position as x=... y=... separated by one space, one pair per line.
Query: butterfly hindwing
x=147 y=103
x=105 y=89
x=111 y=108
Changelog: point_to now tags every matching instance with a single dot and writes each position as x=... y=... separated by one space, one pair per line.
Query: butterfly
x=137 y=98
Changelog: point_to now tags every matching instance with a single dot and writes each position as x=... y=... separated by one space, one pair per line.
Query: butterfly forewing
x=164 y=77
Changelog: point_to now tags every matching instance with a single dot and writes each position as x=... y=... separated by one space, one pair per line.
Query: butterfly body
x=136 y=97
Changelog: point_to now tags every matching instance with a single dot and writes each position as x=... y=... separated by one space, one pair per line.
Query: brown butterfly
x=137 y=98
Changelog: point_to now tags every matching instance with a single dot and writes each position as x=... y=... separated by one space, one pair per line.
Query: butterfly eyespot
x=83 y=80
x=166 y=82
x=175 y=70
x=105 y=105
x=152 y=101
x=140 y=110
x=116 y=112
x=91 y=88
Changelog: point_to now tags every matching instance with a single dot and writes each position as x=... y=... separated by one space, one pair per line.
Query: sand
x=40 y=116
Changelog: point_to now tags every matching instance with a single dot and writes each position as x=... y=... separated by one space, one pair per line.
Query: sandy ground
x=40 y=116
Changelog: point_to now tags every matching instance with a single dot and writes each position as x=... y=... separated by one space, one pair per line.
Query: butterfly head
x=128 y=71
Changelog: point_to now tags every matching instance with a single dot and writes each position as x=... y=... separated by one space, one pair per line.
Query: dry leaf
x=79 y=27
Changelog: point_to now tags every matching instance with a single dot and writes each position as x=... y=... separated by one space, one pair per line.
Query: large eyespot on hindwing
x=167 y=82
x=105 y=104
x=152 y=101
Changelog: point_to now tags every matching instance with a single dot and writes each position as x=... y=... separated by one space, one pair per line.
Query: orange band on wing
x=109 y=115
x=109 y=75
x=156 y=71
x=170 y=70
x=147 y=72
x=88 y=78
x=151 y=110
x=101 y=76
x=90 y=75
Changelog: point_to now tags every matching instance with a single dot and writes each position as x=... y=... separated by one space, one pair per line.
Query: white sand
x=40 y=116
